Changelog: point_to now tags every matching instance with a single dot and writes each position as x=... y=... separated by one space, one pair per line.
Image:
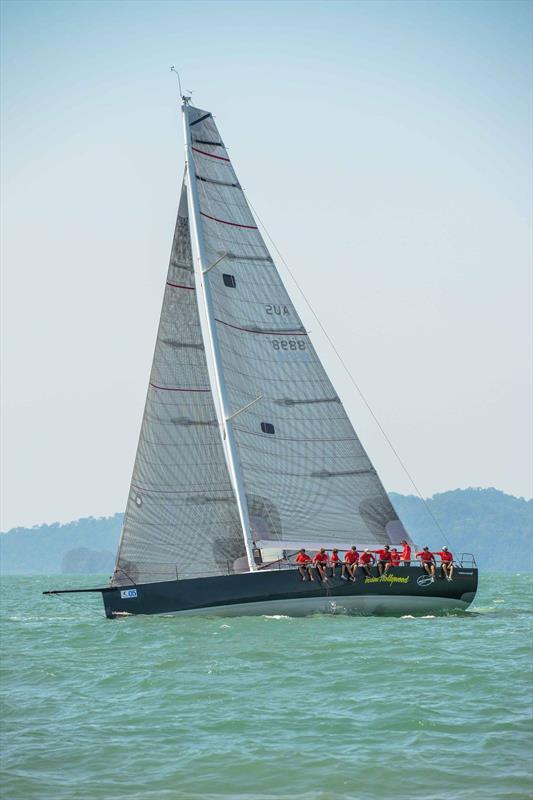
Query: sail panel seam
x=295 y=438
x=225 y=490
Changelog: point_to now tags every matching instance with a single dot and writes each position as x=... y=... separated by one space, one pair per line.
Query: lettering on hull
x=127 y=594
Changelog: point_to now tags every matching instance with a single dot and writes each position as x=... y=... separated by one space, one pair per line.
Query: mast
x=201 y=267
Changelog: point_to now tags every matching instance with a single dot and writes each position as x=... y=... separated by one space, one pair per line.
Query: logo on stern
x=127 y=594
x=425 y=580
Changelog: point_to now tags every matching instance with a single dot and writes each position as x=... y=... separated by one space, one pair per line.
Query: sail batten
x=219 y=183
x=228 y=222
x=199 y=119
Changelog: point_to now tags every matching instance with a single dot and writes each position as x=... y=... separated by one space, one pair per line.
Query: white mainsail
x=287 y=468
x=307 y=476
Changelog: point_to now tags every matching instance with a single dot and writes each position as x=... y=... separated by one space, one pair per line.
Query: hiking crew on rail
x=387 y=558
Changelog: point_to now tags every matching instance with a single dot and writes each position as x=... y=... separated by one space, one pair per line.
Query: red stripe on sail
x=263 y=333
x=180 y=286
x=211 y=155
x=171 y=389
x=225 y=222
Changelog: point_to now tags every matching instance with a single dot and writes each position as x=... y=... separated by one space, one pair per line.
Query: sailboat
x=246 y=453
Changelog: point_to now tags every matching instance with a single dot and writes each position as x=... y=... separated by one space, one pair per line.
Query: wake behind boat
x=246 y=454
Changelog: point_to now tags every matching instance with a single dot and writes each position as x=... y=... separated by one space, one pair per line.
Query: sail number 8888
x=288 y=344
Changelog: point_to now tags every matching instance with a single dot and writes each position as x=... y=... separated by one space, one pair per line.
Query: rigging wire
x=72 y=604
x=347 y=370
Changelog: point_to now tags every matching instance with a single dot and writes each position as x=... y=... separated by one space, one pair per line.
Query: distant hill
x=44 y=549
x=495 y=526
x=84 y=561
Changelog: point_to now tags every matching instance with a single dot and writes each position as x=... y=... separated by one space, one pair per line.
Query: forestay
x=306 y=475
x=181 y=518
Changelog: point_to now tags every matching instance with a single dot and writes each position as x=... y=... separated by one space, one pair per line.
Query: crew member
x=320 y=561
x=394 y=558
x=304 y=560
x=384 y=559
x=406 y=553
x=366 y=559
x=446 y=566
x=427 y=560
x=334 y=560
x=351 y=557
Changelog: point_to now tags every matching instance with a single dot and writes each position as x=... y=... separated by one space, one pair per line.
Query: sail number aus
x=288 y=344
x=279 y=310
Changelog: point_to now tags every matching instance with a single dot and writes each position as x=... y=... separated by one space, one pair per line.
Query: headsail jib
x=181 y=517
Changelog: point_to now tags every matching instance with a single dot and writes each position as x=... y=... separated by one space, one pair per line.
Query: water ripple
x=321 y=708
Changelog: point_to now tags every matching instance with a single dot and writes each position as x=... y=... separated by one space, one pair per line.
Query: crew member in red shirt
x=365 y=560
x=351 y=557
x=320 y=561
x=304 y=561
x=446 y=566
x=406 y=552
x=384 y=559
x=394 y=558
x=427 y=560
x=334 y=561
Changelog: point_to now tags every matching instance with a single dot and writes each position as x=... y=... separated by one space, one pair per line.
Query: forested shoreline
x=495 y=526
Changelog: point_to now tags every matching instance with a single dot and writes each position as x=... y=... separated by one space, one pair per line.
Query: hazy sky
x=386 y=146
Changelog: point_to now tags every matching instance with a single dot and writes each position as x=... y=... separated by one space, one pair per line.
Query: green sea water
x=319 y=708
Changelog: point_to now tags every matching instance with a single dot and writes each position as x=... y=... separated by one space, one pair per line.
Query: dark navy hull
x=405 y=590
